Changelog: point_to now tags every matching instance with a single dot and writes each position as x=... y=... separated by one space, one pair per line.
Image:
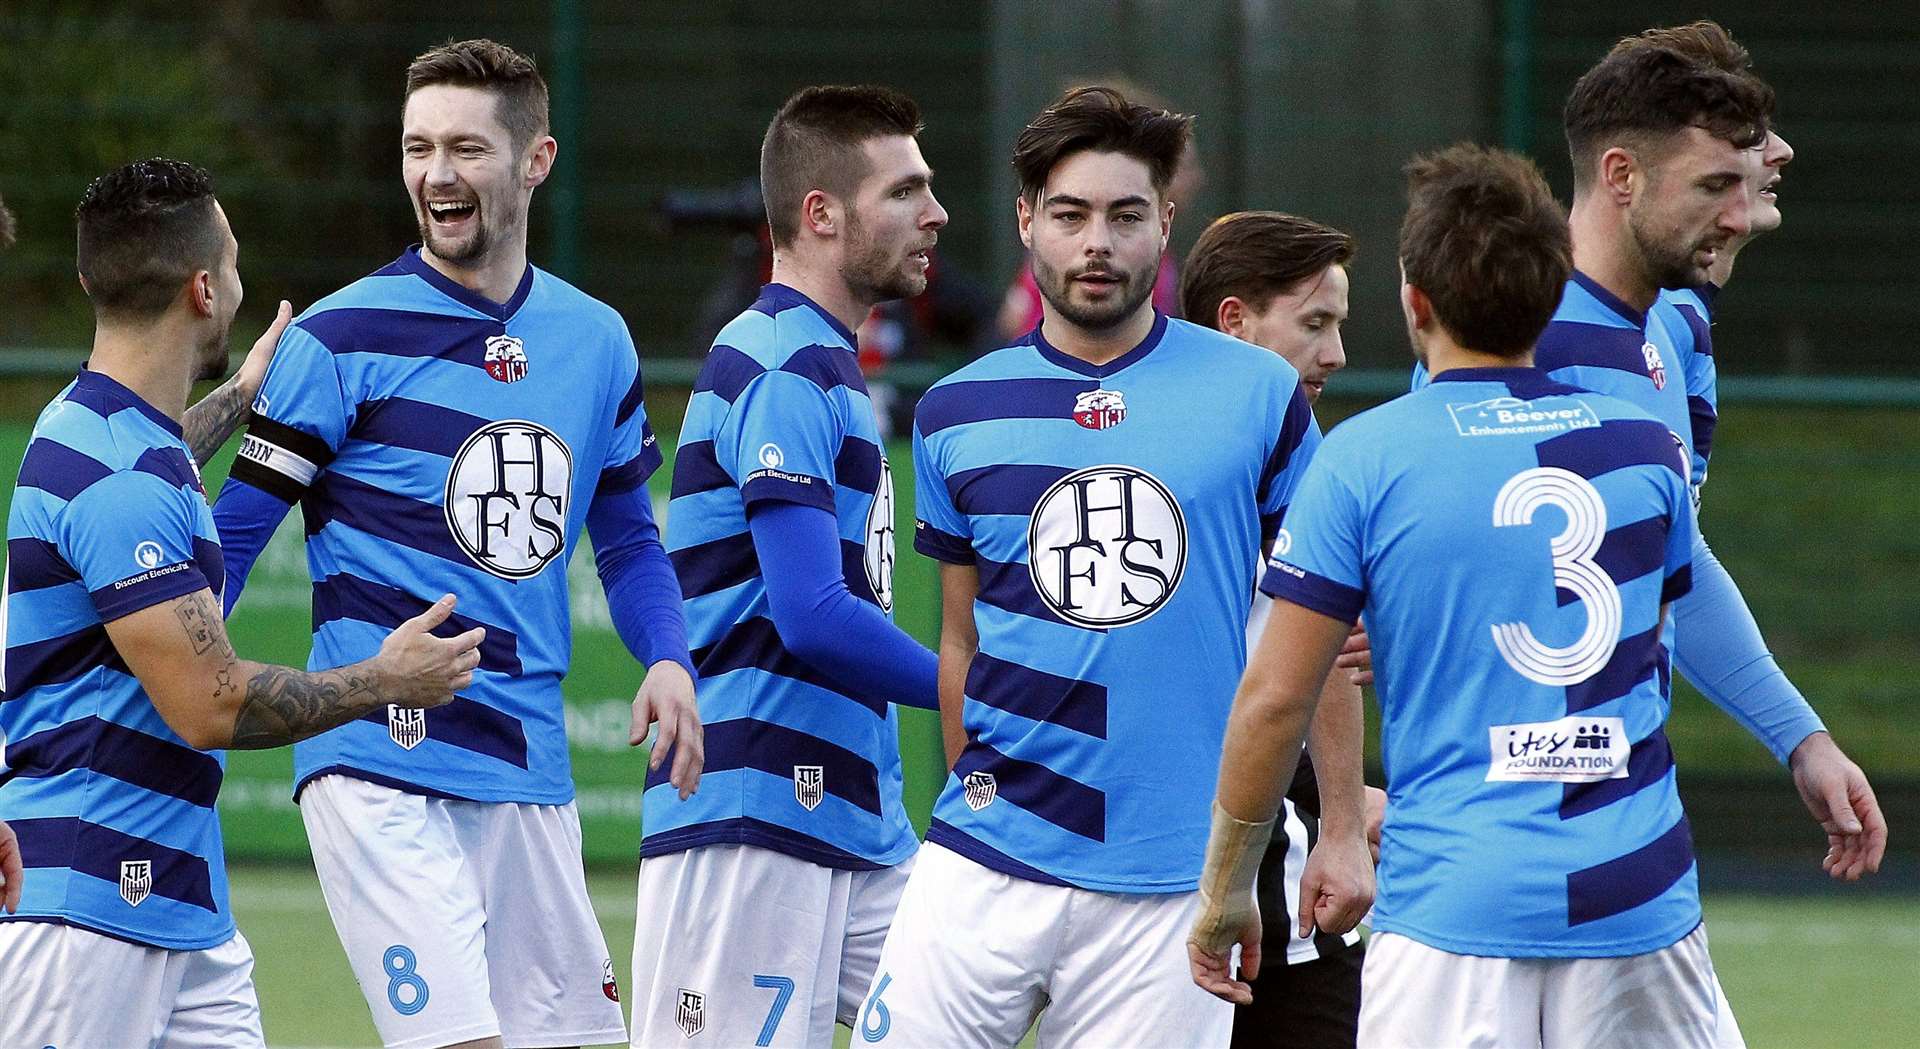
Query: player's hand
x=1376 y=807
x=253 y=370
x=1842 y=802
x=11 y=870
x=1357 y=655
x=667 y=696
x=1210 y=949
x=1336 y=887
x=419 y=669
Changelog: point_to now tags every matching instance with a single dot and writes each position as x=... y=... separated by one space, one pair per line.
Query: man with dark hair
x=1098 y=495
x=763 y=902
x=1519 y=768
x=1280 y=282
x=452 y=422
x=1667 y=147
x=118 y=688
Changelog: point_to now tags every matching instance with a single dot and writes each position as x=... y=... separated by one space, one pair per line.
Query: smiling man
x=451 y=423
x=764 y=901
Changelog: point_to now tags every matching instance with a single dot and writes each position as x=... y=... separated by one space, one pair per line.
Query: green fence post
x=1516 y=74
x=568 y=101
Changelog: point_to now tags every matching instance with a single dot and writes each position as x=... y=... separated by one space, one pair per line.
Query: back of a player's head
x=142 y=232
x=1640 y=95
x=1487 y=244
x=1103 y=120
x=519 y=92
x=1253 y=256
x=814 y=142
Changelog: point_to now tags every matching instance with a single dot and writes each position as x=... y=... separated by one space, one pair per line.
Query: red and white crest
x=506 y=359
x=1656 y=368
x=1099 y=409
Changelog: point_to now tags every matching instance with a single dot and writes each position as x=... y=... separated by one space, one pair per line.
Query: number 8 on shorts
x=402 y=979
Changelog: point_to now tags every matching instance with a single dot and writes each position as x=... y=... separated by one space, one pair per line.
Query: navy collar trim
x=1638 y=318
x=1524 y=382
x=452 y=289
x=776 y=297
x=1101 y=371
x=101 y=383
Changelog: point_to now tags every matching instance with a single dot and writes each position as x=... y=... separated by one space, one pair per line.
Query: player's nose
x=936 y=216
x=1334 y=356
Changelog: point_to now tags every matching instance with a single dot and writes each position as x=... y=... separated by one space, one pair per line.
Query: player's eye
x=1128 y=217
x=1067 y=216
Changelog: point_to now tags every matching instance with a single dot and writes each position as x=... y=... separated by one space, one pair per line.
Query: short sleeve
x=1681 y=536
x=299 y=421
x=780 y=440
x=1317 y=559
x=940 y=530
x=1294 y=444
x=131 y=538
x=634 y=452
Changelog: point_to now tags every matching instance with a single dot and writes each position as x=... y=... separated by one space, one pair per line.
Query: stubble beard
x=1057 y=289
x=213 y=356
x=1666 y=266
x=874 y=274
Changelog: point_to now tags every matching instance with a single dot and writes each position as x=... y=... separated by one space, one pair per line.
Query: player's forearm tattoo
x=285 y=706
x=209 y=423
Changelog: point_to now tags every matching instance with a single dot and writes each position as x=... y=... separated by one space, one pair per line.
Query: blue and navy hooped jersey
x=115 y=812
x=1660 y=361
x=439 y=442
x=1511 y=541
x=1116 y=515
x=793 y=763
x=1694 y=307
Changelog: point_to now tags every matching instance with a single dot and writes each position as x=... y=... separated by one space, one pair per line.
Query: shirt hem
x=1014 y=868
x=666 y=843
x=161 y=943
x=409 y=787
x=1535 y=949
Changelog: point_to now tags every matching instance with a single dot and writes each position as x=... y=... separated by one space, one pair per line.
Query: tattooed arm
x=210 y=422
x=215 y=700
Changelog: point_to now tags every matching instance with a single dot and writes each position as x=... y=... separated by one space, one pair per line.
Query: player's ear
x=820 y=213
x=1418 y=308
x=1166 y=225
x=1232 y=316
x=539 y=160
x=200 y=293
x=1023 y=213
x=1618 y=165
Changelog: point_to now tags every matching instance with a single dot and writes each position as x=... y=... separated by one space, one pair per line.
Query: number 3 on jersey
x=1574 y=570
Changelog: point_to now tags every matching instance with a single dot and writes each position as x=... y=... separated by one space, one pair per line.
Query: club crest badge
x=979 y=789
x=506 y=359
x=691 y=1012
x=1656 y=368
x=1099 y=409
x=809 y=785
x=608 y=986
x=406 y=726
x=136 y=881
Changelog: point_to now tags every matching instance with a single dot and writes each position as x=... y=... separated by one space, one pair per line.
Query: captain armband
x=280 y=460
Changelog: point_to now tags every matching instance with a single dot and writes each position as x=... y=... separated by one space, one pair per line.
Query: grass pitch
x=1834 y=970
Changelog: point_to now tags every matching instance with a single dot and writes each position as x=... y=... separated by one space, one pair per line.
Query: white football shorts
x=975 y=955
x=735 y=945
x=463 y=919
x=64 y=986
x=1413 y=995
